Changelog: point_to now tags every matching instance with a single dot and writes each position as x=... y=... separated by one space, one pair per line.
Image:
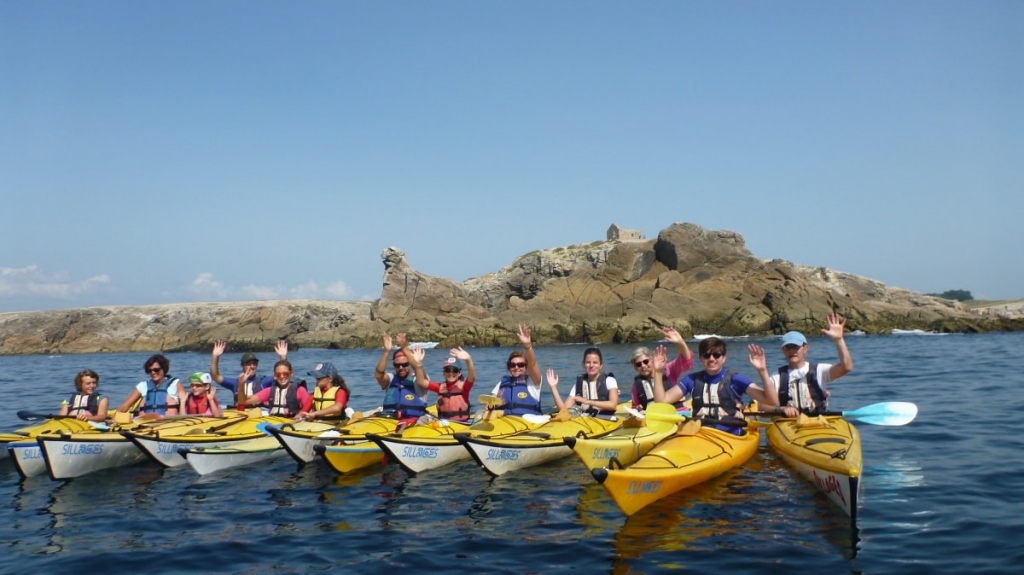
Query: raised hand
x=672 y=335
x=552 y=378
x=218 y=347
x=281 y=348
x=459 y=353
x=417 y=354
x=524 y=335
x=756 y=357
x=401 y=340
x=388 y=345
x=836 y=324
x=659 y=358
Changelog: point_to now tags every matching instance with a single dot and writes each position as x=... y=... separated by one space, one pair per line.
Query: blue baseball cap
x=452 y=362
x=323 y=370
x=794 y=338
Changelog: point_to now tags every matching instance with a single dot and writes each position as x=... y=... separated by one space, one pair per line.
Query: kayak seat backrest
x=825 y=440
x=537 y=434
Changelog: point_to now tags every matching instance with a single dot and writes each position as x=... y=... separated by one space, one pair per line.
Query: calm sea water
x=944 y=494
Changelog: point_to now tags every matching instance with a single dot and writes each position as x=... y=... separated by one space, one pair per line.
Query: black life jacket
x=816 y=393
x=720 y=404
x=286 y=403
x=92 y=404
x=643 y=390
x=583 y=389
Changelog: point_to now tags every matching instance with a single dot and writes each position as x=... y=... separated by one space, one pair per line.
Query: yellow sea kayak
x=619 y=448
x=351 y=449
x=675 y=464
x=826 y=451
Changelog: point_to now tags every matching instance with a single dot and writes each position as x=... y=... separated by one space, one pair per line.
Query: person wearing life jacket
x=716 y=393
x=161 y=394
x=641 y=392
x=86 y=404
x=520 y=389
x=453 y=393
x=250 y=363
x=595 y=392
x=330 y=396
x=801 y=385
x=405 y=395
x=287 y=398
x=200 y=400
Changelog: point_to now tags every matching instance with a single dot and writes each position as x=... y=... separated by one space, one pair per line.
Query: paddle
x=490 y=400
x=28 y=415
x=891 y=413
x=661 y=416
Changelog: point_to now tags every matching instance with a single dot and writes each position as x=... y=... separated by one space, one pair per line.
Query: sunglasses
x=516 y=364
x=713 y=354
x=397 y=365
x=282 y=374
x=452 y=370
x=154 y=370
x=637 y=364
x=195 y=385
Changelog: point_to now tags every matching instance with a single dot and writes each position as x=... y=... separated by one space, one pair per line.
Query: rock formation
x=698 y=280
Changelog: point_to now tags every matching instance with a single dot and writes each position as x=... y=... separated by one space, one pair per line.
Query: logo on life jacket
x=409 y=397
x=521 y=395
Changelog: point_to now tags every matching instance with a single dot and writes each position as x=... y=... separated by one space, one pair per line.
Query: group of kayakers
x=716 y=392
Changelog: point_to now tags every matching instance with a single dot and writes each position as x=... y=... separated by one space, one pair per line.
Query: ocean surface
x=944 y=494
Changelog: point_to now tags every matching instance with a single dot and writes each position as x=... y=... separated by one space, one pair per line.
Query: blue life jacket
x=516 y=395
x=156 y=398
x=92 y=404
x=286 y=403
x=582 y=389
x=721 y=404
x=402 y=396
x=817 y=394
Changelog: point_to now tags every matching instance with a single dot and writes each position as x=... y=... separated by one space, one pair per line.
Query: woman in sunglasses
x=716 y=393
x=520 y=389
x=161 y=394
x=643 y=390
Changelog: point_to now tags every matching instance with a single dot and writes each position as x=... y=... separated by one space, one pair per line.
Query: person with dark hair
x=250 y=363
x=642 y=390
x=520 y=389
x=161 y=394
x=453 y=402
x=405 y=395
x=717 y=393
x=287 y=398
x=595 y=392
x=330 y=396
x=86 y=404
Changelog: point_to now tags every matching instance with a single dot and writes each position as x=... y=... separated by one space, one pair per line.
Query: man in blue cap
x=801 y=384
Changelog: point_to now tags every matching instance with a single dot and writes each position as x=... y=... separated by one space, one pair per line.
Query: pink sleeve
x=677 y=367
x=264 y=394
x=305 y=399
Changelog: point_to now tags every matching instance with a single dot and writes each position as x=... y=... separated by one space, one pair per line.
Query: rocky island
x=615 y=290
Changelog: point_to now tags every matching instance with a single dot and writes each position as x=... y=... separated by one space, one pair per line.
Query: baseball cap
x=323 y=370
x=200 y=377
x=794 y=338
x=452 y=362
x=249 y=356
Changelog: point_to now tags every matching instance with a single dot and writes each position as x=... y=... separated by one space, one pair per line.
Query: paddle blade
x=661 y=416
x=490 y=400
x=892 y=413
x=27 y=415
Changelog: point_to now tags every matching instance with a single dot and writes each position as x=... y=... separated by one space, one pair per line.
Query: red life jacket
x=450 y=402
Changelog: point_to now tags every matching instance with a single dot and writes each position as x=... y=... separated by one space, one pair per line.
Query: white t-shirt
x=798 y=383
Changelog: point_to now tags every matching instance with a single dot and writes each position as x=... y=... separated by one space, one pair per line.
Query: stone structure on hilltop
x=700 y=281
x=617 y=233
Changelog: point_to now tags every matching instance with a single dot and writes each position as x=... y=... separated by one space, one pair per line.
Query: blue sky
x=229 y=151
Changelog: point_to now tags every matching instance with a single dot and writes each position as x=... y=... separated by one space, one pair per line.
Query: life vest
x=715 y=400
x=593 y=391
x=284 y=401
x=250 y=386
x=402 y=397
x=157 y=400
x=80 y=402
x=450 y=402
x=643 y=391
x=516 y=395
x=813 y=388
x=324 y=399
x=198 y=406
